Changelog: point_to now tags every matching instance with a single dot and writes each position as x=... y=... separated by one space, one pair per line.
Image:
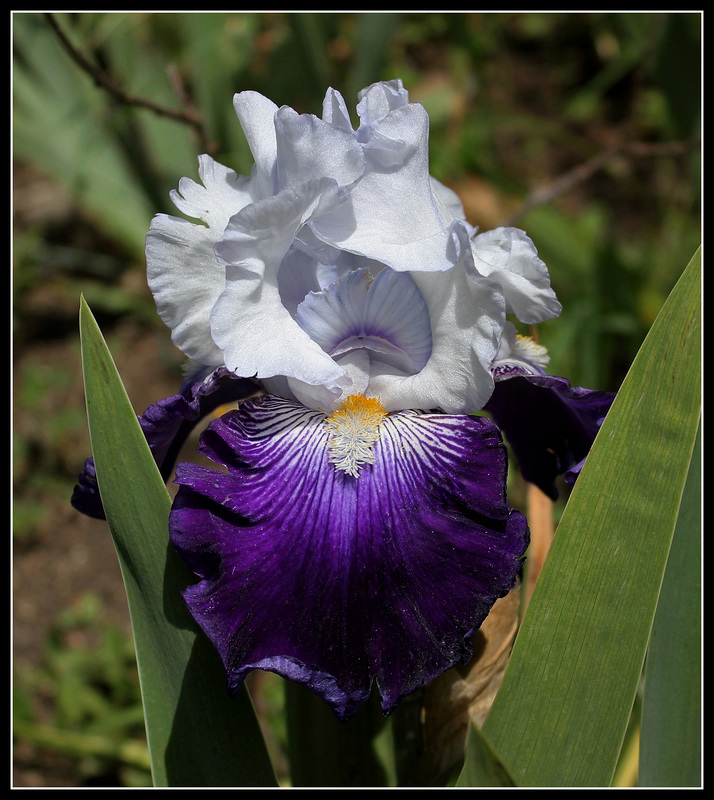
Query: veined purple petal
x=335 y=581
x=386 y=315
x=167 y=424
x=550 y=425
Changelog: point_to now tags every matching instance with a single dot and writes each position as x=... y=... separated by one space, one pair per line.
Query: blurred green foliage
x=520 y=103
x=88 y=678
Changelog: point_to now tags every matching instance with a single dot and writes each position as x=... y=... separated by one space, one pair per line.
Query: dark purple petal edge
x=549 y=424
x=167 y=424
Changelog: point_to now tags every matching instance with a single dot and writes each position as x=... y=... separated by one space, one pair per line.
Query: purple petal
x=167 y=424
x=334 y=581
x=85 y=496
x=550 y=425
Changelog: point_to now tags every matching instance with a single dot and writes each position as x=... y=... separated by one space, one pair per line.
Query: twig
x=103 y=81
x=587 y=169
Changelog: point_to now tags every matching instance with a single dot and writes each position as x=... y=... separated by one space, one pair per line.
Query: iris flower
x=356 y=528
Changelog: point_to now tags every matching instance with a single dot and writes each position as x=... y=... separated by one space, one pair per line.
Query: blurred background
x=582 y=129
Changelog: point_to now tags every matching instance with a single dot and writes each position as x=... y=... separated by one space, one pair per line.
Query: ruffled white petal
x=334 y=110
x=467 y=313
x=508 y=256
x=379 y=99
x=256 y=115
x=250 y=324
x=449 y=201
x=357 y=369
x=393 y=215
x=222 y=194
x=297 y=277
x=310 y=149
x=186 y=280
x=182 y=270
x=341 y=265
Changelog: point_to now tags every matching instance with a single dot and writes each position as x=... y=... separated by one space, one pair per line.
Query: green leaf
x=482 y=766
x=326 y=752
x=197 y=735
x=670 y=742
x=562 y=712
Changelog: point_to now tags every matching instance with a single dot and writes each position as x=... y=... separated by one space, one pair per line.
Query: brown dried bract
x=465 y=693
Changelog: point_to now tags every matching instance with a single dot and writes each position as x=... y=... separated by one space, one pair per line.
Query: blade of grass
x=562 y=711
x=197 y=735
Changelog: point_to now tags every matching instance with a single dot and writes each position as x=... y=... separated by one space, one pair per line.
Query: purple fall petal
x=335 y=581
x=550 y=425
x=85 y=496
x=166 y=425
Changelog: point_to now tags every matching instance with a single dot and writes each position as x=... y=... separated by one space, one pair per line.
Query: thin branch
x=583 y=172
x=103 y=81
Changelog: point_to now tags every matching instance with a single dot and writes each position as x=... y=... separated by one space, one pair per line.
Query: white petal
x=317 y=396
x=256 y=115
x=334 y=111
x=394 y=216
x=377 y=100
x=186 y=280
x=297 y=277
x=397 y=312
x=182 y=270
x=508 y=256
x=317 y=249
x=249 y=323
x=449 y=201
x=467 y=315
x=357 y=367
x=332 y=315
x=385 y=315
x=383 y=149
x=222 y=195
x=309 y=148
